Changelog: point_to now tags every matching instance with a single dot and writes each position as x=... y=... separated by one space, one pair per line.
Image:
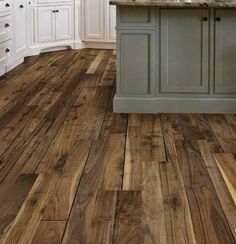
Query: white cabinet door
x=46 y=24
x=112 y=23
x=20 y=28
x=94 y=19
x=64 y=24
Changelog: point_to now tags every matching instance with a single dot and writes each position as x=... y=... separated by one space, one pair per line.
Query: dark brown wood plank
x=11 y=203
x=49 y=232
x=205 y=206
x=128 y=225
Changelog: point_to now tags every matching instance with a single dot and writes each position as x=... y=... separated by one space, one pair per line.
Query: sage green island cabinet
x=225 y=52
x=175 y=57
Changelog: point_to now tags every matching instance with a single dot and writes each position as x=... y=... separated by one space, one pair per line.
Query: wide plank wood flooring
x=72 y=172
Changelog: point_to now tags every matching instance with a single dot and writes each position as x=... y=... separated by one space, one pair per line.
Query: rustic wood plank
x=78 y=228
x=102 y=222
x=208 y=148
x=49 y=232
x=94 y=65
x=109 y=75
x=11 y=203
x=153 y=217
x=178 y=218
x=201 y=193
x=144 y=143
x=27 y=220
x=128 y=226
x=227 y=165
x=69 y=164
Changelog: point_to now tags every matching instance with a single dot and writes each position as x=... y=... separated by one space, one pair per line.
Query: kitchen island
x=176 y=57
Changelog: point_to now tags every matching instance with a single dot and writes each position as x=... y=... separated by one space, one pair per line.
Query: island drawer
x=131 y=16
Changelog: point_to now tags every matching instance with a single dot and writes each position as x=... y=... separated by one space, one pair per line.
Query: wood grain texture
x=227 y=165
x=49 y=232
x=72 y=171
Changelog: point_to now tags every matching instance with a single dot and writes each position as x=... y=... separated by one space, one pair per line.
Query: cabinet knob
x=205 y=18
x=7 y=50
x=7 y=25
x=218 y=19
x=21 y=6
x=7 y=5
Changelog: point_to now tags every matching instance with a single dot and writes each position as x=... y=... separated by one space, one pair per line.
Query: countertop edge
x=174 y=5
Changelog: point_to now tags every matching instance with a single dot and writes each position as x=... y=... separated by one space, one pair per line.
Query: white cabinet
x=64 y=23
x=94 y=19
x=46 y=24
x=20 y=28
x=6 y=27
x=55 y=23
x=98 y=21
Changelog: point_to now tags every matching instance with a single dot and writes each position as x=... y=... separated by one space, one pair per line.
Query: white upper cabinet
x=64 y=24
x=20 y=28
x=94 y=19
x=46 y=24
x=98 y=21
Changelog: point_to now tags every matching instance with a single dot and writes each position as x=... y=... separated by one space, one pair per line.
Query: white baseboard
x=50 y=47
x=174 y=105
x=95 y=45
x=15 y=63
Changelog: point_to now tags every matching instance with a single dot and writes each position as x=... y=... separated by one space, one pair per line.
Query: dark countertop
x=176 y=3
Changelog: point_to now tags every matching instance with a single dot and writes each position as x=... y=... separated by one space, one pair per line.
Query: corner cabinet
x=51 y=25
x=55 y=23
x=225 y=51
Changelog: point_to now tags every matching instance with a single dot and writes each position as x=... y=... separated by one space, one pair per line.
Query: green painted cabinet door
x=136 y=62
x=184 y=51
x=225 y=51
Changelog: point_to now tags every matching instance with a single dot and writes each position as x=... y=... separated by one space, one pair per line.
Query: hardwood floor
x=73 y=172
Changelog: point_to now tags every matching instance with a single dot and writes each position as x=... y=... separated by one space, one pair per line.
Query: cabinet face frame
x=21 y=28
x=184 y=86
x=220 y=51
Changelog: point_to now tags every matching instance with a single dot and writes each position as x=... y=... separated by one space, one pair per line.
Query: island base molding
x=174 y=105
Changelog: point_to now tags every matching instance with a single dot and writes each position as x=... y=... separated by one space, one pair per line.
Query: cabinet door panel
x=64 y=22
x=184 y=51
x=46 y=24
x=136 y=72
x=225 y=50
x=20 y=28
x=94 y=19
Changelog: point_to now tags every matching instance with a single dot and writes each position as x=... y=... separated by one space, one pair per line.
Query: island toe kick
x=176 y=59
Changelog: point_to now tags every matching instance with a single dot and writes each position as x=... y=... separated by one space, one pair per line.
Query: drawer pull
x=21 y=6
x=7 y=50
x=218 y=19
x=205 y=18
x=7 y=25
x=7 y=5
